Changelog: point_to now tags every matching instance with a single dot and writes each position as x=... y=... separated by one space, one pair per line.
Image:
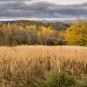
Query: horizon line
x=39 y=19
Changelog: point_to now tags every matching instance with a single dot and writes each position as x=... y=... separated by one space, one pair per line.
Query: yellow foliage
x=31 y=27
x=46 y=31
x=77 y=34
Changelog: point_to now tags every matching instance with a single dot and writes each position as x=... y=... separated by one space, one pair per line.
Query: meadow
x=43 y=66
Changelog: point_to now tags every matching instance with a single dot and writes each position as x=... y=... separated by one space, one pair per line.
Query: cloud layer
x=31 y=9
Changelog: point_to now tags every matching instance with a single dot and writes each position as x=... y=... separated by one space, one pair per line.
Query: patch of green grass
x=61 y=80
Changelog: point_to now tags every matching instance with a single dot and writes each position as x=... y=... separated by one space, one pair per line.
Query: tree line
x=18 y=34
x=34 y=33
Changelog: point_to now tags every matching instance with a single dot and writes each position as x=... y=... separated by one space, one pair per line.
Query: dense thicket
x=31 y=32
x=38 y=33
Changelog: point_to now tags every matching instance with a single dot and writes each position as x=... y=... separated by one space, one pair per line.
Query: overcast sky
x=43 y=8
x=65 y=2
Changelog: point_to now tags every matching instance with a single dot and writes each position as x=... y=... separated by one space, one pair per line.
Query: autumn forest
x=31 y=33
x=39 y=33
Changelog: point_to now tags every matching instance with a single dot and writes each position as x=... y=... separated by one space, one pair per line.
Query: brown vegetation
x=28 y=66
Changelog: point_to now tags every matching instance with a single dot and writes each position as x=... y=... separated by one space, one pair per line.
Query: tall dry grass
x=27 y=66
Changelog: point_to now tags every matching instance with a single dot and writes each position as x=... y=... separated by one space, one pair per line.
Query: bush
x=61 y=80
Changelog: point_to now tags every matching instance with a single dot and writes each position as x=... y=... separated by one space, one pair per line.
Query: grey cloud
x=14 y=8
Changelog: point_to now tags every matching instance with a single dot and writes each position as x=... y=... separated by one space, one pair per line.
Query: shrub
x=61 y=80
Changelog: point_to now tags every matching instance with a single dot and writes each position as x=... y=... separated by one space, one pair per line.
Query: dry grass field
x=32 y=66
